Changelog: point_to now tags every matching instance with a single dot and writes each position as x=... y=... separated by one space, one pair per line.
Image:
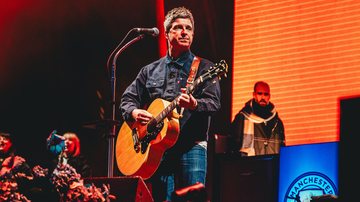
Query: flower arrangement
x=12 y=170
x=70 y=186
x=66 y=181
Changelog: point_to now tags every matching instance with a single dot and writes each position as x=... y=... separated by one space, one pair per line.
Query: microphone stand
x=113 y=88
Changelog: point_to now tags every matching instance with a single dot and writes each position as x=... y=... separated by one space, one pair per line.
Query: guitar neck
x=161 y=116
x=189 y=90
x=166 y=111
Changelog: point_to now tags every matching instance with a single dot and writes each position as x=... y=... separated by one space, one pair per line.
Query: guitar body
x=145 y=162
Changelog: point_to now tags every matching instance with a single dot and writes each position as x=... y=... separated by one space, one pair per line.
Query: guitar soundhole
x=150 y=136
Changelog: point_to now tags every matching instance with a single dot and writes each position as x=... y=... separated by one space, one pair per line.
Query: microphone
x=151 y=31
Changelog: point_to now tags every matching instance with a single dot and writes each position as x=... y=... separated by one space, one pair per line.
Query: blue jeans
x=178 y=172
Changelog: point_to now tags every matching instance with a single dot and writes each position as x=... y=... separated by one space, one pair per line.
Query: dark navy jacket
x=163 y=79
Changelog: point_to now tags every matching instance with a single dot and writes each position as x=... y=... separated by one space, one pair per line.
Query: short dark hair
x=175 y=13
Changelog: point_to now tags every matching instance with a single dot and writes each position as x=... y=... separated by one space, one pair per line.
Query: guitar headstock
x=219 y=69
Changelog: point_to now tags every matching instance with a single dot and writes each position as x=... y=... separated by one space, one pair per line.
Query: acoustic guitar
x=139 y=148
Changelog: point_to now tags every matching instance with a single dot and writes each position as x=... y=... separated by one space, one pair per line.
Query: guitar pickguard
x=144 y=142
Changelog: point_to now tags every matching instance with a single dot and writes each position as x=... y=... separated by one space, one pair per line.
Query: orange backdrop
x=309 y=53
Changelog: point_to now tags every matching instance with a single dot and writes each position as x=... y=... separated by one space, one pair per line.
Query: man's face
x=180 y=35
x=5 y=144
x=262 y=95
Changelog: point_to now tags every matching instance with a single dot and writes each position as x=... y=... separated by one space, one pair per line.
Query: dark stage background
x=53 y=71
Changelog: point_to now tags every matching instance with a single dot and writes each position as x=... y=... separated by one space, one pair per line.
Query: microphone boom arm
x=113 y=88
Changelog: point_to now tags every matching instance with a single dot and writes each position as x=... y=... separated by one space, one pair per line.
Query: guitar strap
x=193 y=70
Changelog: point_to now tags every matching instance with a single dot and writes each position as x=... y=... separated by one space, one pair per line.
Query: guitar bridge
x=150 y=136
